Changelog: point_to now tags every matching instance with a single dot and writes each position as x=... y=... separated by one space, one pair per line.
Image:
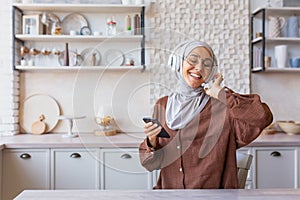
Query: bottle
x=111 y=28
x=128 y=23
x=137 y=25
x=66 y=55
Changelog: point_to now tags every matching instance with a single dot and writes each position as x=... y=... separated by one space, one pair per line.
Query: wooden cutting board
x=39 y=127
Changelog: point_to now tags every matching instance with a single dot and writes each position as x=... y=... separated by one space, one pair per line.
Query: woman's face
x=197 y=67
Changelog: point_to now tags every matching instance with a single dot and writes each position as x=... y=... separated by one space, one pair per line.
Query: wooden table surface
x=254 y=194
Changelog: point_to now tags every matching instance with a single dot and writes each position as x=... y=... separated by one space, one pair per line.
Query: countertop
x=254 y=194
x=55 y=140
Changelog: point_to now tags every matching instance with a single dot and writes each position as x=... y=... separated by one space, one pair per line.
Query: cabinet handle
x=275 y=154
x=75 y=155
x=126 y=156
x=25 y=156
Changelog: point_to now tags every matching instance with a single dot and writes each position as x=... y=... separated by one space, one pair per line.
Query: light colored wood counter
x=213 y=194
x=55 y=140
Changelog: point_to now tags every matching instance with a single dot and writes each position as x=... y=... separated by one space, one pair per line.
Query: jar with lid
x=111 y=27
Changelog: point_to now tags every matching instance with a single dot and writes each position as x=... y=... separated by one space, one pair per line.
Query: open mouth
x=194 y=75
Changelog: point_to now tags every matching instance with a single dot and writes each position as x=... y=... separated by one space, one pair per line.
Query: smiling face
x=195 y=67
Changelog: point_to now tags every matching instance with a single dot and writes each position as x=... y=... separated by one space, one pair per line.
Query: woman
x=206 y=125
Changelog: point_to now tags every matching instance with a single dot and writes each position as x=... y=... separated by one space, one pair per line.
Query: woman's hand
x=216 y=87
x=152 y=130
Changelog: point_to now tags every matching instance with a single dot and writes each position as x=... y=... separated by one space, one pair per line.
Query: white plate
x=73 y=22
x=87 y=56
x=36 y=105
x=114 y=57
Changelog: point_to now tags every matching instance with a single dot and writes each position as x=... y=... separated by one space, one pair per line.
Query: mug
x=281 y=55
x=294 y=62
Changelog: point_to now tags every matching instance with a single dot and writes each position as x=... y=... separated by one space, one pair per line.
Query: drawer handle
x=75 y=155
x=25 y=156
x=126 y=156
x=275 y=154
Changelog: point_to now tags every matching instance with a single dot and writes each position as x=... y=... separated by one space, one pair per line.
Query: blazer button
x=178 y=147
x=180 y=169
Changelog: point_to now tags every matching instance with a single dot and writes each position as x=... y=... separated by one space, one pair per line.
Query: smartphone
x=163 y=133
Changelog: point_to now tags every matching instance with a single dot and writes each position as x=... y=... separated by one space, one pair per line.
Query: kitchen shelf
x=98 y=8
x=277 y=11
x=75 y=68
x=79 y=38
x=276 y=40
x=260 y=45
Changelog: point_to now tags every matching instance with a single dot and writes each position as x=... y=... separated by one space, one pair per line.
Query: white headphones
x=176 y=56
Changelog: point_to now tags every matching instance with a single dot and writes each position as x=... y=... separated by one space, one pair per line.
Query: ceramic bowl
x=289 y=127
x=295 y=62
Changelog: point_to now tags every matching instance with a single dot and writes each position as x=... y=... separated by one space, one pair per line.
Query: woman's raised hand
x=214 y=90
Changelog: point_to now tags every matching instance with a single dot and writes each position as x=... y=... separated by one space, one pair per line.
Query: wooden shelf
x=273 y=69
x=97 y=8
x=278 y=11
x=74 y=68
x=79 y=38
x=277 y=40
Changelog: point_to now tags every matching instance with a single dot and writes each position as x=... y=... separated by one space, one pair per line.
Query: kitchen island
x=255 y=194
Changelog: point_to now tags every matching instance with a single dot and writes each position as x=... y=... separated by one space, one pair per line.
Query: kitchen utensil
x=35 y=105
x=39 y=127
x=289 y=127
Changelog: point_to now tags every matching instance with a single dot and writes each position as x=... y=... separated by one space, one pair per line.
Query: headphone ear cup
x=172 y=61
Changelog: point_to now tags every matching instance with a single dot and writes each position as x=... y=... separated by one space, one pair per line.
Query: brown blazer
x=203 y=154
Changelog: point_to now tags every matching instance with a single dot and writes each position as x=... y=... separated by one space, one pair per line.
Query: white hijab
x=184 y=103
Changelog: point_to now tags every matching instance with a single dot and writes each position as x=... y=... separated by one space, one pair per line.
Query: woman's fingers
x=151 y=129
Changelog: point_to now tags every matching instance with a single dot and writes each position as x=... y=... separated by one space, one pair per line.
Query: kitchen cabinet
x=24 y=169
x=263 y=45
x=121 y=169
x=75 y=168
x=123 y=45
x=276 y=167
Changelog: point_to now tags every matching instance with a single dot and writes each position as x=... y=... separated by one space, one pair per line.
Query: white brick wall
x=9 y=80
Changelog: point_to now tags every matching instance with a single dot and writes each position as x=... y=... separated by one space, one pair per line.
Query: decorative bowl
x=289 y=127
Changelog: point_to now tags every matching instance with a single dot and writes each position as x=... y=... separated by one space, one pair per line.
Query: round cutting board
x=36 y=105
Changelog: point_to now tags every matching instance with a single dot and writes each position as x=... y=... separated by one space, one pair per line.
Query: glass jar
x=111 y=27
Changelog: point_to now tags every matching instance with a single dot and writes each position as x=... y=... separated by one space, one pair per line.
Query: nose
x=199 y=67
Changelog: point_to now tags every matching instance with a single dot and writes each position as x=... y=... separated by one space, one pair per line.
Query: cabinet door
x=25 y=169
x=121 y=169
x=75 y=169
x=276 y=168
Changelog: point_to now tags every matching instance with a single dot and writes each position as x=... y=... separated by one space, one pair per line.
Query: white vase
x=281 y=55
